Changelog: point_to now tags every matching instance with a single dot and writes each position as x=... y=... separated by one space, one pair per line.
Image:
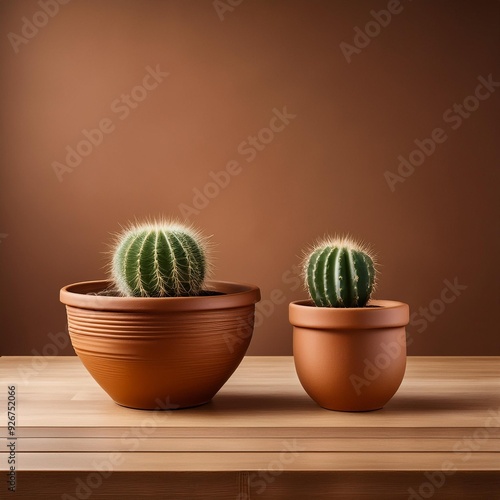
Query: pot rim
x=235 y=294
x=382 y=314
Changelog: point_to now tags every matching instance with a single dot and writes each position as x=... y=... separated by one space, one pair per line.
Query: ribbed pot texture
x=160 y=352
x=350 y=359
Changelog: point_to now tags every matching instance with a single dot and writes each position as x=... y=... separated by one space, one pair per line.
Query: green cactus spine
x=159 y=259
x=340 y=273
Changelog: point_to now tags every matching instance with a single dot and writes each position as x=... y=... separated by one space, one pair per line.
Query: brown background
x=324 y=173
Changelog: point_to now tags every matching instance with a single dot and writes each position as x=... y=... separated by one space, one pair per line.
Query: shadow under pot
x=350 y=359
x=161 y=352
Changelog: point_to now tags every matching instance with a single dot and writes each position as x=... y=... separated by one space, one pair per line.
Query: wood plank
x=224 y=444
x=436 y=393
x=255 y=486
x=252 y=461
x=304 y=432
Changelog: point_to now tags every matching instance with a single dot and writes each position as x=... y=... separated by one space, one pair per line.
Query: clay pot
x=160 y=353
x=350 y=359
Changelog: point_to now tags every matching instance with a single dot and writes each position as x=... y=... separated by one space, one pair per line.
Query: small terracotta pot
x=161 y=353
x=350 y=359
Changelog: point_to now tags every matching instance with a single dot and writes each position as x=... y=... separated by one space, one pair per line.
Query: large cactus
x=159 y=259
x=339 y=273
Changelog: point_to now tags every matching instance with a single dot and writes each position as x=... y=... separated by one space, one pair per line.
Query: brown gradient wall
x=356 y=109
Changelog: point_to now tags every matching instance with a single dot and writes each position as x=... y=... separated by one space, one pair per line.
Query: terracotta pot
x=350 y=359
x=161 y=353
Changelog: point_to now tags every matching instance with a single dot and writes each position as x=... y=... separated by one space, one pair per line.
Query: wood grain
x=260 y=437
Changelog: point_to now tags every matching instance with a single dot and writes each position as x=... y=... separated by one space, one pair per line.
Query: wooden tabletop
x=445 y=414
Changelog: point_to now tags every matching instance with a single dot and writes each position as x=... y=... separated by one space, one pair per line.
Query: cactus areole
x=342 y=329
x=340 y=273
x=159 y=259
x=160 y=334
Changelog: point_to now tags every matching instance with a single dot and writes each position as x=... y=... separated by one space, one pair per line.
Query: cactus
x=159 y=259
x=339 y=273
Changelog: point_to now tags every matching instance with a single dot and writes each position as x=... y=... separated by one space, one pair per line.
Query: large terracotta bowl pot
x=350 y=359
x=160 y=353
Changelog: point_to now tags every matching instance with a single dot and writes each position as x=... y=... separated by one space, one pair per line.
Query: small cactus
x=339 y=273
x=159 y=259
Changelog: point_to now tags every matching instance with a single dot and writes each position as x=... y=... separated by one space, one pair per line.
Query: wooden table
x=260 y=437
